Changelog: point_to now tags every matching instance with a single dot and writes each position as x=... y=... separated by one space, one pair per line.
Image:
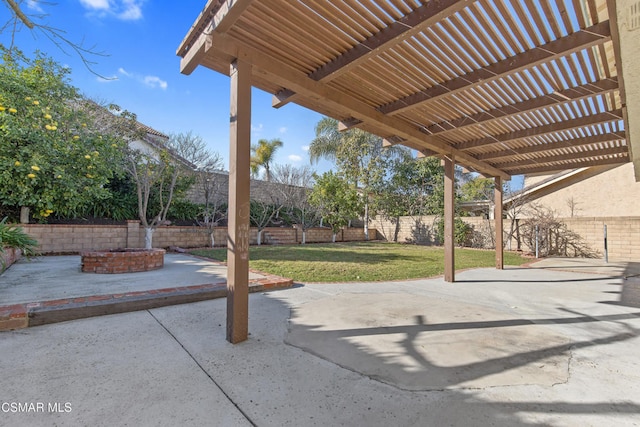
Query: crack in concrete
x=237 y=406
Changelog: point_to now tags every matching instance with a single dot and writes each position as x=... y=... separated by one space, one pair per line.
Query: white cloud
x=132 y=10
x=294 y=158
x=305 y=148
x=95 y=4
x=283 y=129
x=153 y=81
x=33 y=5
x=257 y=128
x=125 y=10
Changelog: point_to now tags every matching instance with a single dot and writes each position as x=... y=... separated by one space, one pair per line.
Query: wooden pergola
x=502 y=87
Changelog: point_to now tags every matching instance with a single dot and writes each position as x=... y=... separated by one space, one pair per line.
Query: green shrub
x=12 y=236
x=461 y=231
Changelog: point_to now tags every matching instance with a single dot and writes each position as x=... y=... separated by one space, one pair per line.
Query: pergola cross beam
x=551 y=128
x=574 y=42
x=568 y=143
x=573 y=94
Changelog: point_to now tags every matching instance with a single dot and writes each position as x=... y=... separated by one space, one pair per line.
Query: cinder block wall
x=623 y=233
x=58 y=238
x=55 y=238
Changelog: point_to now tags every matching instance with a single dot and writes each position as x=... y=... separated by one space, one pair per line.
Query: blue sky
x=140 y=38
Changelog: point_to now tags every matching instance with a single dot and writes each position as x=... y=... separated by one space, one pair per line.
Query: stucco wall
x=613 y=193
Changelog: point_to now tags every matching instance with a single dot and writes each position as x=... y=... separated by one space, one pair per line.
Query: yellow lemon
x=35 y=168
x=13 y=110
x=2 y=108
x=47 y=116
x=88 y=157
x=31 y=175
x=17 y=163
x=36 y=102
x=76 y=137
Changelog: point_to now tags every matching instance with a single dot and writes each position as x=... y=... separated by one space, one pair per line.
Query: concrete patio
x=519 y=347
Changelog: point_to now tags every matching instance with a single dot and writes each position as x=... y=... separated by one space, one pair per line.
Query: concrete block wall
x=58 y=238
x=623 y=233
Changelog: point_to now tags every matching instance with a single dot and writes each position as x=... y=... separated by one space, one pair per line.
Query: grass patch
x=365 y=262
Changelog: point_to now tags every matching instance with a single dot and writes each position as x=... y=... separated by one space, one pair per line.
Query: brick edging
x=20 y=316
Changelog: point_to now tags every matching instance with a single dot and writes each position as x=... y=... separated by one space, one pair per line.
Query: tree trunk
x=304 y=237
x=259 y=237
x=148 y=237
x=397 y=230
x=366 y=221
x=213 y=239
x=24 y=215
x=333 y=238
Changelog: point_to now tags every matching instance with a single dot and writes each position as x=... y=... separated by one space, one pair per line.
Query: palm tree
x=262 y=156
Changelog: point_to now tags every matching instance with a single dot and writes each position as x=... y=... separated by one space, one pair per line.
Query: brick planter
x=9 y=256
x=122 y=260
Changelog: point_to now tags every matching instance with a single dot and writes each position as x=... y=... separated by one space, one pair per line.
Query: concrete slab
x=172 y=365
x=57 y=277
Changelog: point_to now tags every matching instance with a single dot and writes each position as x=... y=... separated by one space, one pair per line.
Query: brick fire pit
x=127 y=260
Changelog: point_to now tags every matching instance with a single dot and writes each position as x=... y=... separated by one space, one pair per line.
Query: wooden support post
x=497 y=214
x=238 y=228
x=449 y=216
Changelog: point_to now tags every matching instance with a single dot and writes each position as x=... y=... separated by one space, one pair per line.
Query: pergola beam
x=282 y=74
x=581 y=156
x=568 y=143
x=346 y=124
x=218 y=17
x=580 y=40
x=569 y=165
x=409 y=25
x=551 y=128
x=577 y=93
x=412 y=23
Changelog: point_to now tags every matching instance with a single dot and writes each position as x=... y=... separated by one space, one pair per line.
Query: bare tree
x=213 y=185
x=36 y=24
x=294 y=190
x=158 y=174
x=572 y=204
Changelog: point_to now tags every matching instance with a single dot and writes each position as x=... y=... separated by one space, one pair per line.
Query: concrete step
x=275 y=236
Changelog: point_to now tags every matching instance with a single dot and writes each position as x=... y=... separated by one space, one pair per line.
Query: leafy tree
x=477 y=189
x=359 y=155
x=54 y=155
x=262 y=156
x=336 y=200
x=408 y=188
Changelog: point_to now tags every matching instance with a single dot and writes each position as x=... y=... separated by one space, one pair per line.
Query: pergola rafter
x=583 y=39
x=605 y=138
x=577 y=93
x=552 y=128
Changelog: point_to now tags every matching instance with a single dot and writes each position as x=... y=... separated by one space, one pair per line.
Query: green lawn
x=341 y=262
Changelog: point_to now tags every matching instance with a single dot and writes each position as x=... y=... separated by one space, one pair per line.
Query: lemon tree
x=57 y=149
